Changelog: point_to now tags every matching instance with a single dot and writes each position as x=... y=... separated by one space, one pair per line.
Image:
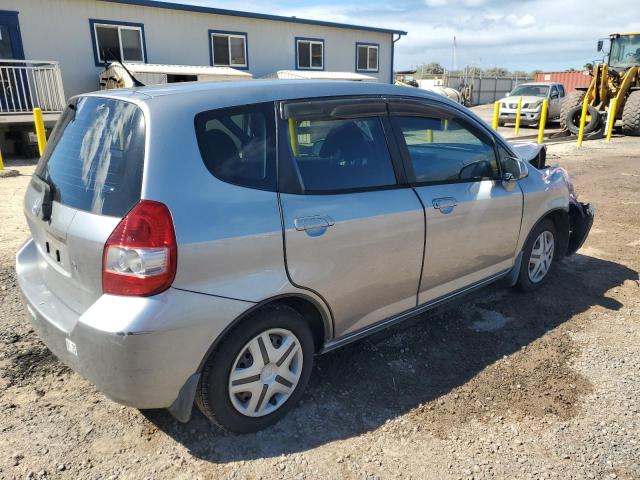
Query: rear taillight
x=140 y=256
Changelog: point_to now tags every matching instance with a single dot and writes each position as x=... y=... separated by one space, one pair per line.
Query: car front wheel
x=259 y=371
x=538 y=257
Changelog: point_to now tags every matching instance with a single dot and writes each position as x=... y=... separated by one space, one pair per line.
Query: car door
x=353 y=228
x=554 y=102
x=473 y=221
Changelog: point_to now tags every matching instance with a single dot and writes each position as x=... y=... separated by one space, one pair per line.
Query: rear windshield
x=95 y=156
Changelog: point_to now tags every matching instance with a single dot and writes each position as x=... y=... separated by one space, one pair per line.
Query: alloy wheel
x=541 y=256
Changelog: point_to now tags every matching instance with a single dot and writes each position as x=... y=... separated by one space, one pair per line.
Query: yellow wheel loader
x=619 y=78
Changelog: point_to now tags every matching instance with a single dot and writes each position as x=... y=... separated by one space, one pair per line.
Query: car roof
x=223 y=94
x=538 y=83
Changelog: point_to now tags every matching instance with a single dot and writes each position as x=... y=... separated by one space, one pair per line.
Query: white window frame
x=119 y=28
x=369 y=68
x=230 y=36
x=310 y=42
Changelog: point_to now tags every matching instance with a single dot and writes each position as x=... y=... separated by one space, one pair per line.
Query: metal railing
x=27 y=84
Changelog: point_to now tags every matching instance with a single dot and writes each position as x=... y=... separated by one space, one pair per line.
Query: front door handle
x=314 y=225
x=445 y=204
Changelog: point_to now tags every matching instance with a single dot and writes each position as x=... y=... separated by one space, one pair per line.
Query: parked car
x=205 y=241
x=532 y=95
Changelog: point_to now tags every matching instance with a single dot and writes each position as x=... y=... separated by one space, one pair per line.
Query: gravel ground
x=498 y=385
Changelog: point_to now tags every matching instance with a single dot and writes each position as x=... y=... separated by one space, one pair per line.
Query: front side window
x=334 y=154
x=309 y=54
x=446 y=151
x=228 y=49
x=238 y=144
x=366 y=58
x=121 y=42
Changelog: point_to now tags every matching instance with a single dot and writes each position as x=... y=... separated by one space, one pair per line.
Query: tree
x=432 y=68
x=588 y=66
x=496 y=72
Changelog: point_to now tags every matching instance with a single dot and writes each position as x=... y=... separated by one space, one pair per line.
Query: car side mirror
x=555 y=95
x=507 y=94
x=600 y=45
x=513 y=169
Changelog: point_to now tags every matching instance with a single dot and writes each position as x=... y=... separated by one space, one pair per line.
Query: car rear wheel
x=538 y=257
x=259 y=371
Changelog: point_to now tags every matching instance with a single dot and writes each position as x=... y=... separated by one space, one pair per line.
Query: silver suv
x=202 y=242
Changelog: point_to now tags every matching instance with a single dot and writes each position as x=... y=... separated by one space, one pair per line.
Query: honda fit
x=201 y=243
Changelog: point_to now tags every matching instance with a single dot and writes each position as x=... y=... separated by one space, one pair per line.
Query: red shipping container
x=570 y=80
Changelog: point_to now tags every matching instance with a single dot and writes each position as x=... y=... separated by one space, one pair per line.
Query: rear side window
x=95 y=156
x=445 y=151
x=336 y=154
x=238 y=144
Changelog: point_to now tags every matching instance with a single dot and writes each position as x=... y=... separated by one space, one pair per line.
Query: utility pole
x=455 y=55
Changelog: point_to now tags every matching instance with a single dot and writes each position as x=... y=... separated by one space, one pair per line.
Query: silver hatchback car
x=201 y=243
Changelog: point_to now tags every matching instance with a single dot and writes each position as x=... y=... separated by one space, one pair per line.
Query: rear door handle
x=445 y=204
x=313 y=225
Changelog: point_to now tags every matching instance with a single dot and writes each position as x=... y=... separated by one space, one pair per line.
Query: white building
x=63 y=45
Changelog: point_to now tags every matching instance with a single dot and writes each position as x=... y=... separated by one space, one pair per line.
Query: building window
x=124 y=41
x=367 y=57
x=228 y=49
x=309 y=54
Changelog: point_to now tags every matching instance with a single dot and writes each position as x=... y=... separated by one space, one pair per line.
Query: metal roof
x=262 y=16
x=183 y=69
x=320 y=75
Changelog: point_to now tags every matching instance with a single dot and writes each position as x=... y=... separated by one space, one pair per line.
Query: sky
x=519 y=35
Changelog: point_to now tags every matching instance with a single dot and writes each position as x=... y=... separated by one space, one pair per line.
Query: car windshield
x=530 y=91
x=625 y=51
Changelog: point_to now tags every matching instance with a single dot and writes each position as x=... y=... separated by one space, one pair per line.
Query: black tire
x=570 y=101
x=525 y=283
x=573 y=120
x=212 y=396
x=501 y=123
x=631 y=114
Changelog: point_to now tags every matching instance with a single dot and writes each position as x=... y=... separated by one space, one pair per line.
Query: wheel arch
x=314 y=313
x=560 y=219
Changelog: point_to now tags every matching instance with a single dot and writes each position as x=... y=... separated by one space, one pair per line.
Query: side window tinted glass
x=446 y=151
x=238 y=144
x=332 y=154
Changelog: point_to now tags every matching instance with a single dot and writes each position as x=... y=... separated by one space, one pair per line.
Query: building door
x=13 y=96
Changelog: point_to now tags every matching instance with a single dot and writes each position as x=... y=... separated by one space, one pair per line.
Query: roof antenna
x=136 y=82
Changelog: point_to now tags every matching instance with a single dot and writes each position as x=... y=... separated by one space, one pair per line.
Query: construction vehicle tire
x=573 y=120
x=574 y=98
x=631 y=114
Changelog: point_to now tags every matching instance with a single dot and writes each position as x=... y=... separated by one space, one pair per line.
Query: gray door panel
x=472 y=233
x=361 y=251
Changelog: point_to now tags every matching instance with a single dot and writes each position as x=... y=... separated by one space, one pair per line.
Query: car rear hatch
x=89 y=177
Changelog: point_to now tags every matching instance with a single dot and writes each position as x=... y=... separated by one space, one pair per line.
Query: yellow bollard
x=1 y=162
x=293 y=136
x=429 y=136
x=543 y=120
x=518 y=112
x=446 y=124
x=583 y=119
x=611 y=119
x=39 y=121
x=496 y=115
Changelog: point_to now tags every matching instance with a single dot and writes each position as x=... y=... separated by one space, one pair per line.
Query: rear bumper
x=580 y=222
x=138 y=351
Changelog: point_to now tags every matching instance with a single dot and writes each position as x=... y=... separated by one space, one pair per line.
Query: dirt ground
x=499 y=385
